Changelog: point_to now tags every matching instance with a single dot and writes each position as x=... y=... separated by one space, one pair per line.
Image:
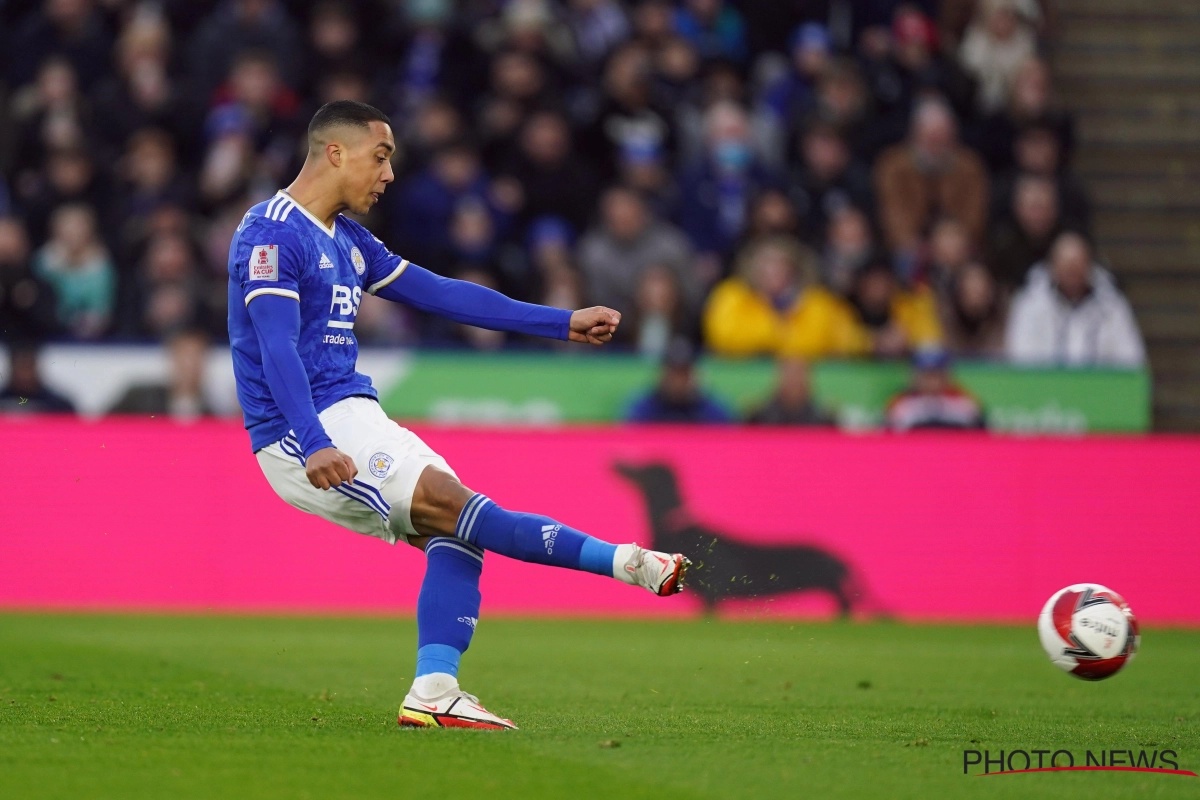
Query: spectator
x=629 y=119
x=678 y=397
x=1020 y=242
x=849 y=246
x=827 y=179
x=255 y=102
x=844 y=102
x=48 y=115
x=25 y=392
x=143 y=94
x=553 y=179
x=769 y=303
x=599 y=26
x=658 y=315
x=437 y=124
x=550 y=251
x=644 y=168
x=69 y=29
x=532 y=27
x=165 y=296
x=791 y=97
x=150 y=179
x=238 y=27
x=653 y=24
x=518 y=87
x=792 y=402
x=973 y=312
x=715 y=194
x=335 y=44
x=914 y=67
x=27 y=305
x=75 y=262
x=771 y=214
x=997 y=43
x=878 y=319
x=435 y=57
x=1030 y=101
x=427 y=201
x=70 y=177
x=676 y=81
x=722 y=84
x=473 y=240
x=714 y=27
x=181 y=398
x=628 y=241
x=933 y=401
x=1071 y=313
x=1038 y=151
x=930 y=176
x=949 y=251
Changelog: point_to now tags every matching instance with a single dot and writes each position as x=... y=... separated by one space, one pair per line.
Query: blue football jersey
x=281 y=249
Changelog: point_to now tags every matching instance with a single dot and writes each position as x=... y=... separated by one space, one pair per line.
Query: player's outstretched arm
x=472 y=304
x=277 y=323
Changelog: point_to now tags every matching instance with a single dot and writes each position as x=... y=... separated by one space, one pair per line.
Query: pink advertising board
x=150 y=515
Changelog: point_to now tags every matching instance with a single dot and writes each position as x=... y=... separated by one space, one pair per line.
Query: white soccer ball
x=1089 y=631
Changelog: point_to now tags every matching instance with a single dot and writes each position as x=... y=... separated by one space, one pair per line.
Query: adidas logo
x=549 y=533
x=325 y=262
x=470 y=622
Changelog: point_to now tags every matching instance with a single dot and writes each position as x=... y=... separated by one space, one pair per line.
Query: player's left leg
x=442 y=506
x=448 y=605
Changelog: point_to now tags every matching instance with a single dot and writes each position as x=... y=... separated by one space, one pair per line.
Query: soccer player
x=297 y=272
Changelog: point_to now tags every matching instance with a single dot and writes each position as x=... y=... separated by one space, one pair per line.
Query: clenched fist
x=594 y=325
x=329 y=467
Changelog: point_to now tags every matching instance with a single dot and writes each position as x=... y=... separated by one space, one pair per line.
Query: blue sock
x=448 y=605
x=533 y=538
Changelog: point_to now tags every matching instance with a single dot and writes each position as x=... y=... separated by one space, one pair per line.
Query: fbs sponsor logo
x=470 y=622
x=1009 y=762
x=338 y=338
x=549 y=534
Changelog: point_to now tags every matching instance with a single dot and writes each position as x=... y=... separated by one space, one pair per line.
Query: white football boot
x=661 y=573
x=453 y=709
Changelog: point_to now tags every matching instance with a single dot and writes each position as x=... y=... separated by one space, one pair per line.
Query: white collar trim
x=331 y=231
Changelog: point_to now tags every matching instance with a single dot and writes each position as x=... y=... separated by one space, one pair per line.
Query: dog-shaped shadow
x=722 y=567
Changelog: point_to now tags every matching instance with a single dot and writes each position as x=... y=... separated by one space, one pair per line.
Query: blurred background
x=947 y=213
x=820 y=214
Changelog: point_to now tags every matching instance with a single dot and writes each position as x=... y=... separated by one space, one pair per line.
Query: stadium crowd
x=793 y=178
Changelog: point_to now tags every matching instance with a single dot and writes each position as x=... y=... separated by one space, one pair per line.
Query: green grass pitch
x=293 y=707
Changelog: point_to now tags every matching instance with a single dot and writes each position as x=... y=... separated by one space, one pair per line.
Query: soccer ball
x=1089 y=631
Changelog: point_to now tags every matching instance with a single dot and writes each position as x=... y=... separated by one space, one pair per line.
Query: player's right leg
x=442 y=506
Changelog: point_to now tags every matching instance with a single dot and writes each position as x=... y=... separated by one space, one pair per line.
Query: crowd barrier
x=153 y=515
x=550 y=389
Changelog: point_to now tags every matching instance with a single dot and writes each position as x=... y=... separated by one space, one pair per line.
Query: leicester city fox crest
x=380 y=464
x=356 y=258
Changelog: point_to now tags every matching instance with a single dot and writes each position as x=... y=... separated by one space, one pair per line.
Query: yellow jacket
x=740 y=322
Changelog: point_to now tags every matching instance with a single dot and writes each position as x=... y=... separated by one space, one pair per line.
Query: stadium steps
x=1130 y=72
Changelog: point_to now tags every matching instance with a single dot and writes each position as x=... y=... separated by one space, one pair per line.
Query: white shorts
x=390 y=460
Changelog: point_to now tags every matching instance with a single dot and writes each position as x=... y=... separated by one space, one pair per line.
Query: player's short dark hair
x=344 y=112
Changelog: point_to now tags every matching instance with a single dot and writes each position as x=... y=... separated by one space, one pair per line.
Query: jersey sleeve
x=269 y=258
x=383 y=266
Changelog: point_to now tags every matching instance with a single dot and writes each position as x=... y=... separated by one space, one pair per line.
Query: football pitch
x=299 y=707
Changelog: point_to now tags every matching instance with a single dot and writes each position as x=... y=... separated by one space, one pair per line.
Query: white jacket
x=1044 y=328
